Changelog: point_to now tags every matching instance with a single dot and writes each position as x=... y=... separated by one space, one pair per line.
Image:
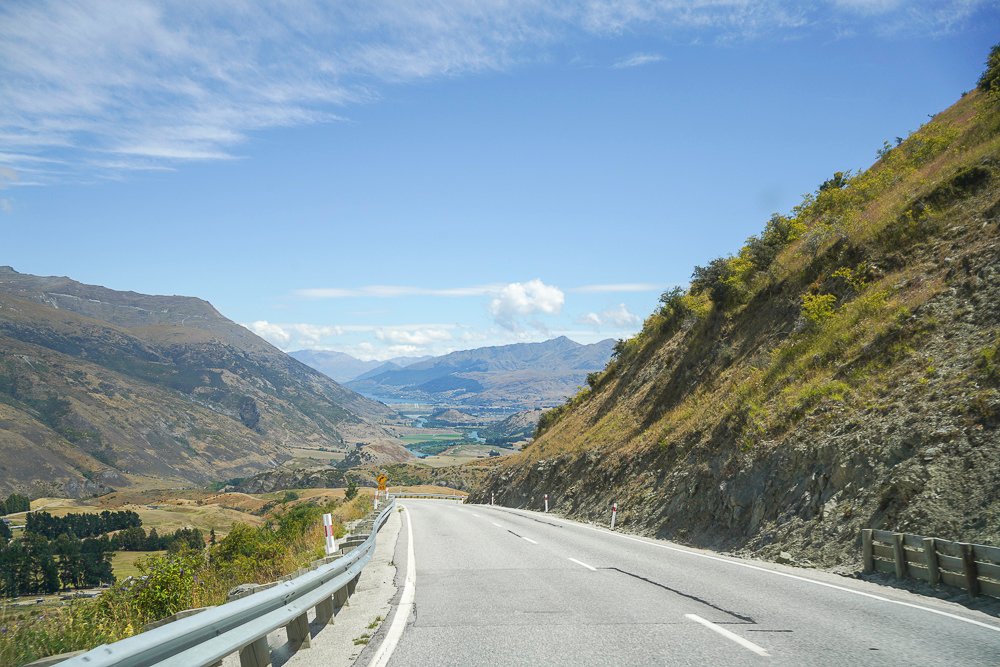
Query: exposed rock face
x=748 y=416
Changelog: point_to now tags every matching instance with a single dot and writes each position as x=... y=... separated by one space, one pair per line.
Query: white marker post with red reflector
x=546 y=502
x=331 y=541
x=614 y=514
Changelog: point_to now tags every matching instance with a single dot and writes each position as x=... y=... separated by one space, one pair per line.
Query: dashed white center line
x=745 y=643
x=528 y=539
x=496 y=524
x=580 y=562
x=476 y=515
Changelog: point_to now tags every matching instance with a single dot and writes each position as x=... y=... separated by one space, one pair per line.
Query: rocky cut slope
x=842 y=371
x=101 y=388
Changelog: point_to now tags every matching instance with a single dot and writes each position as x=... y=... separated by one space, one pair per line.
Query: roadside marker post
x=491 y=498
x=331 y=541
x=546 y=502
x=614 y=514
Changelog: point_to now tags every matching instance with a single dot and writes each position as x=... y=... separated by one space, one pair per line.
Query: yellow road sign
x=382 y=479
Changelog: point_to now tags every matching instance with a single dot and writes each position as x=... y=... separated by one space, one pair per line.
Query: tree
x=70 y=553
x=989 y=82
x=352 y=490
x=5 y=533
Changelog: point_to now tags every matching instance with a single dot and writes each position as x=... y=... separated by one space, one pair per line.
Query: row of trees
x=15 y=503
x=80 y=525
x=35 y=565
x=135 y=538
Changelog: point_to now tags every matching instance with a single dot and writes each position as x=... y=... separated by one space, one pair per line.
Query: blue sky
x=416 y=177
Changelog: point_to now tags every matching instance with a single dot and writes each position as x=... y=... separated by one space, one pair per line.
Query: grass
x=124 y=562
x=172 y=582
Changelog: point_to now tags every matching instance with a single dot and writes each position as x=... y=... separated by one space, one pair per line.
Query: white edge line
x=776 y=573
x=580 y=562
x=405 y=606
x=745 y=643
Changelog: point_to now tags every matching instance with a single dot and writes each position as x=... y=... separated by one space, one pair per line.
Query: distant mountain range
x=343 y=367
x=101 y=388
x=524 y=375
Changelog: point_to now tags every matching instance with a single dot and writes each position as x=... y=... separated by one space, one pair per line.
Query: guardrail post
x=298 y=632
x=257 y=654
x=352 y=585
x=325 y=611
x=899 y=555
x=340 y=597
x=969 y=568
x=931 y=561
x=867 y=550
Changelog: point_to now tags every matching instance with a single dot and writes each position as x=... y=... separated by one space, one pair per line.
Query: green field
x=124 y=562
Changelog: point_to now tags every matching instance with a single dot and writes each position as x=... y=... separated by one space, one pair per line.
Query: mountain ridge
x=520 y=374
x=163 y=387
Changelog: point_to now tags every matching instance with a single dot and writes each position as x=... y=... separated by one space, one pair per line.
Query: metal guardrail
x=243 y=624
x=974 y=567
x=441 y=496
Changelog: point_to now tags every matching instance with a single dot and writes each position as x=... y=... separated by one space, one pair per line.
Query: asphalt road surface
x=496 y=586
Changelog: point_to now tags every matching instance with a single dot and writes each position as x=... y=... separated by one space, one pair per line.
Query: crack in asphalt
x=745 y=619
x=530 y=518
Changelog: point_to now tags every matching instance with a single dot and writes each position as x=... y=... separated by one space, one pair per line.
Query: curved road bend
x=496 y=586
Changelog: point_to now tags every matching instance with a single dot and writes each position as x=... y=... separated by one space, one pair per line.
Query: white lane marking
x=527 y=539
x=787 y=575
x=496 y=524
x=476 y=515
x=580 y=562
x=745 y=643
x=405 y=607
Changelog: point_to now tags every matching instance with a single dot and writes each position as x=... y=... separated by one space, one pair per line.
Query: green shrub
x=817 y=308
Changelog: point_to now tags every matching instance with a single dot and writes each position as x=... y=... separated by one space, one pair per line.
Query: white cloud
x=109 y=86
x=272 y=333
x=518 y=300
x=6 y=205
x=618 y=317
x=638 y=60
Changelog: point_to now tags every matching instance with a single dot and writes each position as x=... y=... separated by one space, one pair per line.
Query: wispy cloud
x=103 y=86
x=608 y=288
x=618 y=317
x=394 y=291
x=638 y=60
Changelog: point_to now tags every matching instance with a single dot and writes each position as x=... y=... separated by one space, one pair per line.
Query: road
x=496 y=586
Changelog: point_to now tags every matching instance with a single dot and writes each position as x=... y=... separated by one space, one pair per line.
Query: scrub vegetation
x=186 y=578
x=846 y=356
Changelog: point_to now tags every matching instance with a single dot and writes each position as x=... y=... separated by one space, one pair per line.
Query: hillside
x=524 y=375
x=100 y=388
x=841 y=371
x=519 y=426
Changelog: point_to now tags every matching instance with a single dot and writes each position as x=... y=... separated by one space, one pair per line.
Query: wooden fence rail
x=974 y=567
